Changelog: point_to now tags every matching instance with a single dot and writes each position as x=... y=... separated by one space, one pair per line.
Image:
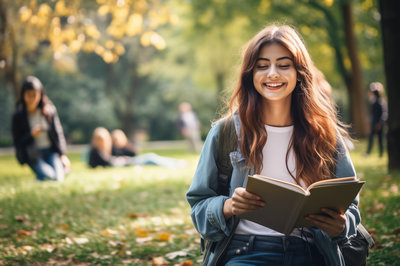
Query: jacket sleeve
x=22 y=136
x=206 y=204
x=345 y=168
x=58 y=134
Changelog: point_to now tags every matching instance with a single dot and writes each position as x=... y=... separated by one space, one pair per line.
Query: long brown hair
x=314 y=116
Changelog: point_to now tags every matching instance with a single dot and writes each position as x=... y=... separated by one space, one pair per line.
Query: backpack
x=355 y=250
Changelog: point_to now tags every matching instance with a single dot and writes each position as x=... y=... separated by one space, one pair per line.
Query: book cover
x=286 y=204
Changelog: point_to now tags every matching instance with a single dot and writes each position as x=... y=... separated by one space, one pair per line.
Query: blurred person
x=379 y=116
x=121 y=146
x=189 y=126
x=100 y=153
x=37 y=132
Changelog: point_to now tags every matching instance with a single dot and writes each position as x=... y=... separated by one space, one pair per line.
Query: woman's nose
x=273 y=73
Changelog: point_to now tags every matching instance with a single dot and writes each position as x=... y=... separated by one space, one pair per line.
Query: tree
x=62 y=30
x=390 y=23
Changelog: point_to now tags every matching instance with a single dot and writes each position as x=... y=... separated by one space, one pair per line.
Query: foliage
x=139 y=215
x=75 y=45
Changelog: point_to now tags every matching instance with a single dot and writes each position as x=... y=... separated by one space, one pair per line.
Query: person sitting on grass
x=38 y=136
x=100 y=154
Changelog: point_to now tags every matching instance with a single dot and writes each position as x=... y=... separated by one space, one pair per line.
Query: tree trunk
x=357 y=92
x=390 y=23
x=7 y=38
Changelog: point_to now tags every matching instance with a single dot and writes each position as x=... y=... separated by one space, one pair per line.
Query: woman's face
x=275 y=75
x=32 y=99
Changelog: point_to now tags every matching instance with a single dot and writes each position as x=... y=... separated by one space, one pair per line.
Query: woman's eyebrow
x=279 y=58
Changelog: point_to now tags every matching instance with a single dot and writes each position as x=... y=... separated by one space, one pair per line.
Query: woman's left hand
x=333 y=223
x=66 y=163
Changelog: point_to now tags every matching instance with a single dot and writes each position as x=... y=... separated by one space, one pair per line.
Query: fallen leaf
x=137 y=215
x=64 y=227
x=173 y=255
x=144 y=239
x=28 y=248
x=22 y=232
x=158 y=261
x=186 y=263
x=116 y=243
x=396 y=231
x=81 y=240
x=141 y=233
x=164 y=236
x=22 y=218
x=49 y=248
x=109 y=232
x=394 y=188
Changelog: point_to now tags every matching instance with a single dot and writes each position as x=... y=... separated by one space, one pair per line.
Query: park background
x=128 y=64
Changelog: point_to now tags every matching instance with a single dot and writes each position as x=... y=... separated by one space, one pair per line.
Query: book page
x=288 y=185
x=328 y=182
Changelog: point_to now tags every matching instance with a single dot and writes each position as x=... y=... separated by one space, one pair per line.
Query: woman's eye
x=284 y=66
x=262 y=67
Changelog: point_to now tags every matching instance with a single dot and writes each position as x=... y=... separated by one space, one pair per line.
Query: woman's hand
x=333 y=223
x=242 y=201
x=35 y=131
x=66 y=163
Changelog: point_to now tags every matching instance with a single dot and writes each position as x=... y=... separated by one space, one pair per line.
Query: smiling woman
x=286 y=129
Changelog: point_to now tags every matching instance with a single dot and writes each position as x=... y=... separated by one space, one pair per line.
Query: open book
x=286 y=204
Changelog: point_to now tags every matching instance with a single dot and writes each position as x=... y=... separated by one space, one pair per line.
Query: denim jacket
x=207 y=205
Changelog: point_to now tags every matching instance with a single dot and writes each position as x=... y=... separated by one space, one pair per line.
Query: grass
x=139 y=216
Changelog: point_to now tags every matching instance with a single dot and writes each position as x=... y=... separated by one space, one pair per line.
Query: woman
x=38 y=136
x=121 y=146
x=287 y=129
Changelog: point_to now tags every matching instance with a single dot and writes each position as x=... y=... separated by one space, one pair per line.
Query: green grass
x=138 y=215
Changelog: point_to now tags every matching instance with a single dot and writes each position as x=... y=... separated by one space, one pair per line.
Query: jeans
x=379 y=133
x=271 y=250
x=152 y=158
x=48 y=166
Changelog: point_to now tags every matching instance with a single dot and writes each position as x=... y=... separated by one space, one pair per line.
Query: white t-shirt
x=37 y=119
x=274 y=165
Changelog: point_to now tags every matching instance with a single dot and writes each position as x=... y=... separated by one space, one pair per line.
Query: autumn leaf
x=186 y=263
x=143 y=239
x=141 y=233
x=158 y=261
x=173 y=255
x=396 y=231
x=63 y=227
x=137 y=215
x=164 y=236
x=22 y=218
x=109 y=232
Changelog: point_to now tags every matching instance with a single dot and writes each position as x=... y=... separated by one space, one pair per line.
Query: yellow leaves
x=134 y=25
x=44 y=10
x=367 y=4
x=61 y=9
x=103 y=10
x=153 y=38
x=328 y=2
x=92 y=31
x=25 y=14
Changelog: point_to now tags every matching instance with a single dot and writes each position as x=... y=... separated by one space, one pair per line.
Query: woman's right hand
x=242 y=201
x=35 y=131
